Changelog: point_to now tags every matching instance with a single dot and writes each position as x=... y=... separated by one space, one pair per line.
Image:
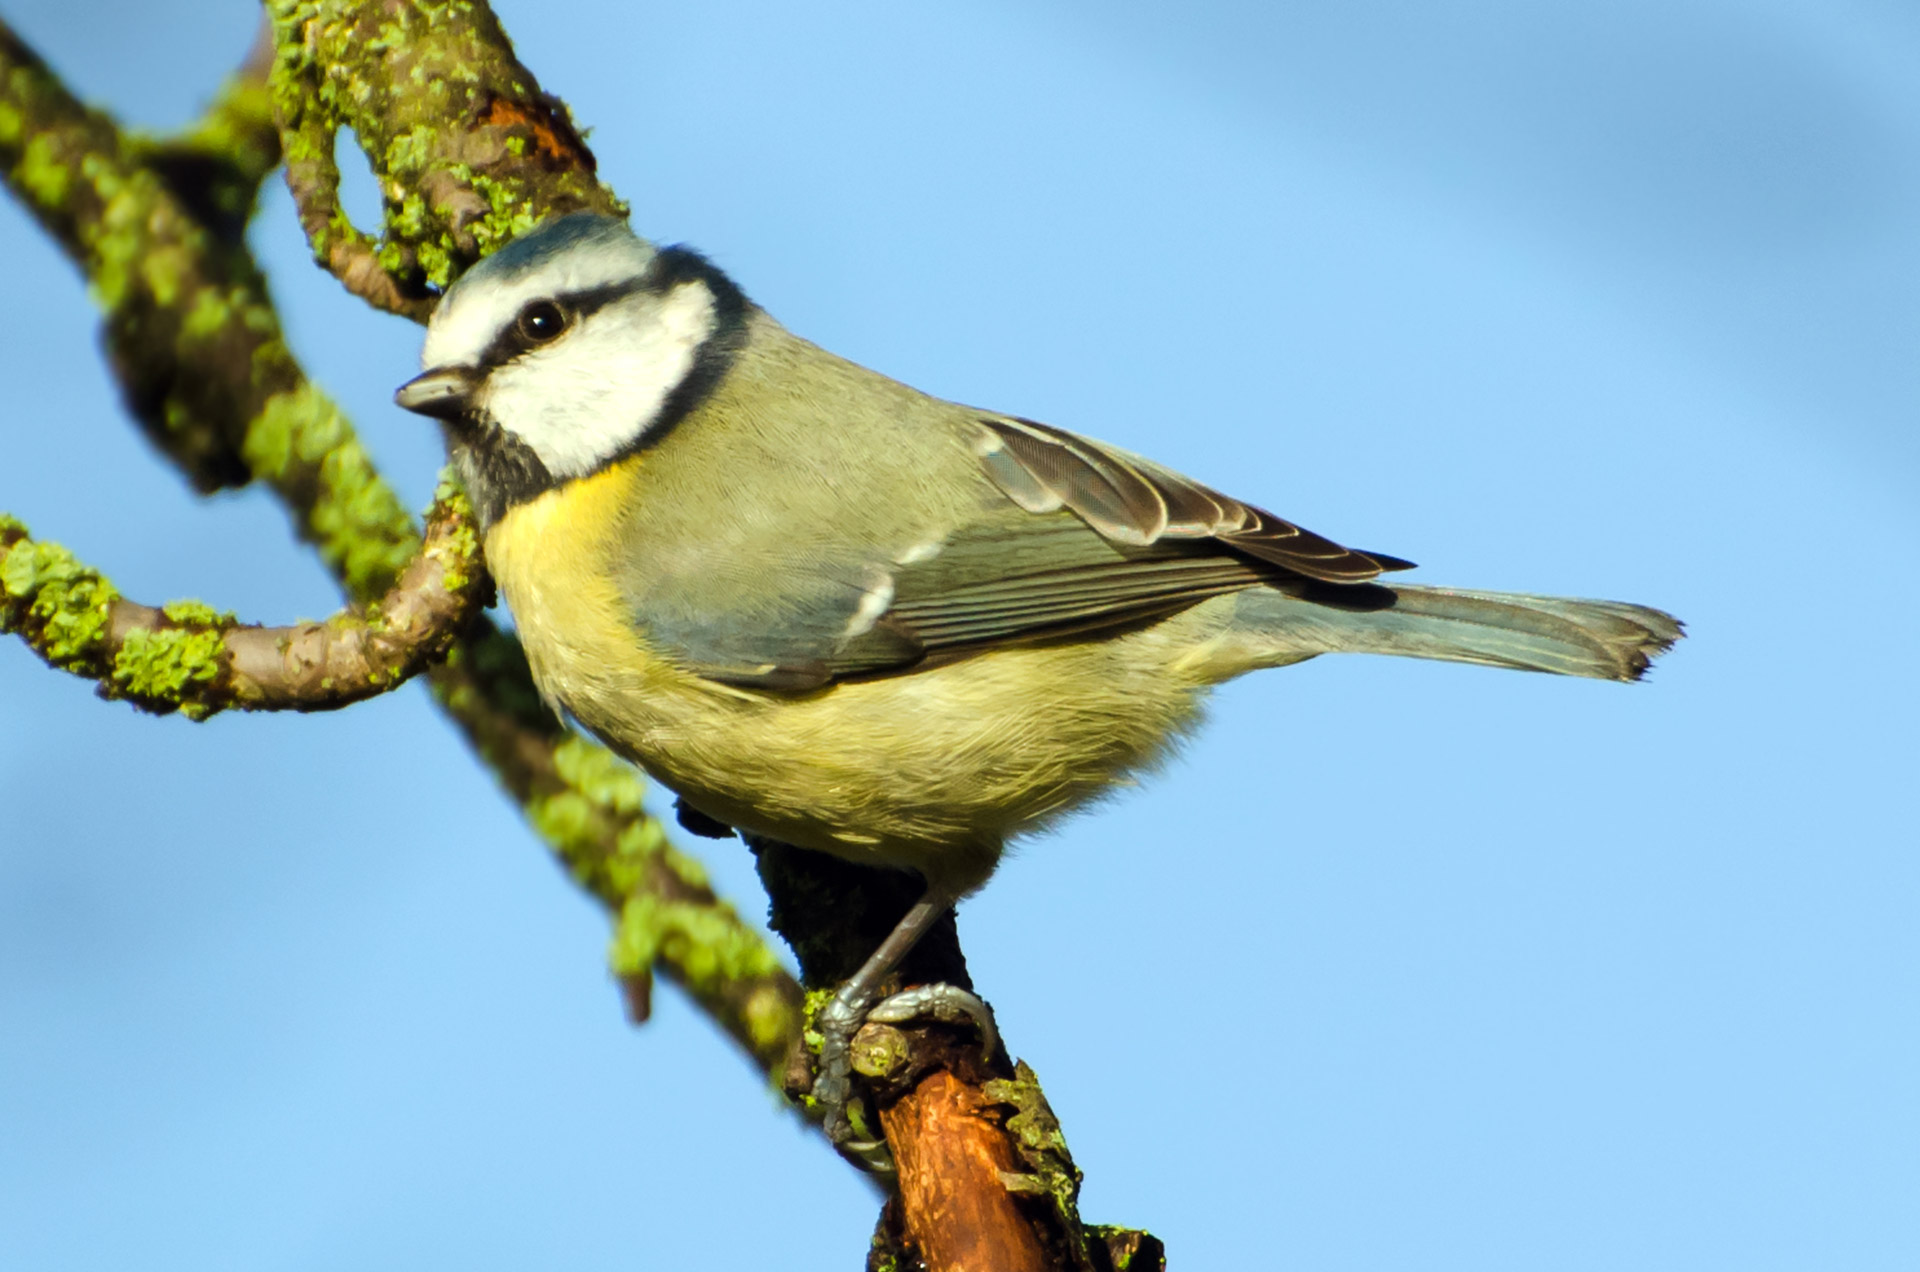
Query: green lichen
x=706 y=943
x=463 y=555
x=43 y=173
x=209 y=315
x=812 y=1005
x=410 y=151
x=197 y=614
x=510 y=212
x=688 y=869
x=257 y=316
x=62 y=606
x=301 y=424
x=359 y=524
x=769 y=1019
x=570 y=824
x=163 y=668
x=165 y=271
x=639 y=934
x=602 y=791
x=406 y=219
x=118 y=240
x=1038 y=1140
x=435 y=259
x=602 y=777
x=636 y=846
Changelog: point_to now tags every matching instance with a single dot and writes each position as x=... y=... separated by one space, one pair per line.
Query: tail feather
x=1606 y=640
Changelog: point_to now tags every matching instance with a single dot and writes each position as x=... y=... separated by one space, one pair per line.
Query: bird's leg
x=855 y=1003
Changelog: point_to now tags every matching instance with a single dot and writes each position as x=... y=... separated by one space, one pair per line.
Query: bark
x=953 y=1155
x=186 y=657
x=982 y=1174
x=468 y=149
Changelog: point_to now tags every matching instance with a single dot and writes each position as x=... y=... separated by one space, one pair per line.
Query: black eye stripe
x=671 y=267
x=511 y=342
x=504 y=471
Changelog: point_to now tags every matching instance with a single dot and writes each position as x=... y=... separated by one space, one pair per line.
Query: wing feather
x=1089 y=538
x=1134 y=501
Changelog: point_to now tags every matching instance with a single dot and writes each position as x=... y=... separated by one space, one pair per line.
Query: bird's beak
x=444 y=393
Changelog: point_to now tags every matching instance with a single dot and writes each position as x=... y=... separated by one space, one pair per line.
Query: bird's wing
x=1134 y=501
x=1072 y=538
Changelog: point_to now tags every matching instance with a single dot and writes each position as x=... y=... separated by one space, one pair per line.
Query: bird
x=828 y=609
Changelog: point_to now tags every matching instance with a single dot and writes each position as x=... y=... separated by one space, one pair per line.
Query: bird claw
x=833 y=1082
x=841 y=1018
x=947 y=1004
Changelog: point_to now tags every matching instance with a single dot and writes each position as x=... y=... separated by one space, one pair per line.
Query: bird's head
x=571 y=347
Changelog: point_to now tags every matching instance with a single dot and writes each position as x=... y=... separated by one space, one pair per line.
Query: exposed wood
x=953 y=1154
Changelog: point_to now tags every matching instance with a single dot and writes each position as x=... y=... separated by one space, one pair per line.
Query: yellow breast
x=931 y=769
x=555 y=560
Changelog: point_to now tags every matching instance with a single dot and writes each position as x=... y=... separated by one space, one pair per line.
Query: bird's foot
x=837 y=1023
x=833 y=1082
x=947 y=1004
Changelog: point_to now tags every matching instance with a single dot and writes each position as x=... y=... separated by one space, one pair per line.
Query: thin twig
x=189 y=658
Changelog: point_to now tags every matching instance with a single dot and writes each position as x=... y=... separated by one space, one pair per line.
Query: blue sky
x=1397 y=964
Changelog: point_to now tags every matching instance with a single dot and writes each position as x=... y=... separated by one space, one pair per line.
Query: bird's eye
x=541 y=321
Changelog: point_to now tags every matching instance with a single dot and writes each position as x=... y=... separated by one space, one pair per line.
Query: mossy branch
x=469 y=152
x=984 y=1178
x=199 y=352
x=191 y=330
x=186 y=657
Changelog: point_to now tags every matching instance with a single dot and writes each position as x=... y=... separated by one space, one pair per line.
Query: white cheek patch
x=469 y=318
x=597 y=390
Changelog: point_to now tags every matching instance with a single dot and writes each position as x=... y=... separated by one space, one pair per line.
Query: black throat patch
x=501 y=471
x=497 y=468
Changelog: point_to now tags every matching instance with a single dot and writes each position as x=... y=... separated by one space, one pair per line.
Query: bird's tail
x=1607 y=640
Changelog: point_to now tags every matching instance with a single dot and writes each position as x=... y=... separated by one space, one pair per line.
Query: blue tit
x=828 y=609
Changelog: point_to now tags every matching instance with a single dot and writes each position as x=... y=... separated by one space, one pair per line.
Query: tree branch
x=186 y=657
x=984 y=1176
x=468 y=150
x=191 y=331
x=201 y=359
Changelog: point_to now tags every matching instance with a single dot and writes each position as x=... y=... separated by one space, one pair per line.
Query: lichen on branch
x=191 y=331
x=468 y=150
x=189 y=658
x=197 y=346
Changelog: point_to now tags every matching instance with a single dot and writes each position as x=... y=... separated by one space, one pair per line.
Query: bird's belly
x=931 y=769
